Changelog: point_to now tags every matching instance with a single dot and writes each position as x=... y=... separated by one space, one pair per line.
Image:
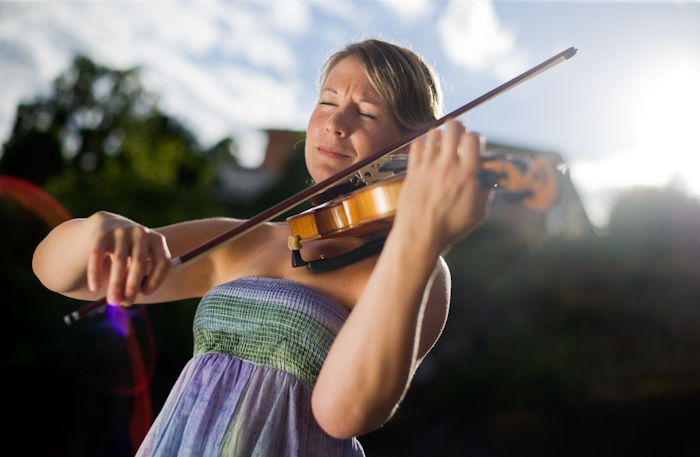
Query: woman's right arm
x=110 y=255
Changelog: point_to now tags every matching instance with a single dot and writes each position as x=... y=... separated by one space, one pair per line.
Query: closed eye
x=370 y=116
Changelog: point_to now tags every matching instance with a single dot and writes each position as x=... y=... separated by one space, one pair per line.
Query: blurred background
x=571 y=332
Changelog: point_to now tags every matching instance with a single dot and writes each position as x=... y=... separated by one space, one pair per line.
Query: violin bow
x=274 y=211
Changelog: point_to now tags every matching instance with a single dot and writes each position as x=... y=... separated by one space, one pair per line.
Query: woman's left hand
x=440 y=198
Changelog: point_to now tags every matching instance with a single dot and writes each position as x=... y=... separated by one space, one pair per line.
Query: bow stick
x=283 y=206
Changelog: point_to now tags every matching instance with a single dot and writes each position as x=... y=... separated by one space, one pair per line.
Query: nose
x=337 y=123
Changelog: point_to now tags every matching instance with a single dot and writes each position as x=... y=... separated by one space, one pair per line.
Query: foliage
x=654 y=222
x=101 y=134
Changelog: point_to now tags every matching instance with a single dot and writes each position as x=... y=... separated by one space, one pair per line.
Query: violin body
x=370 y=209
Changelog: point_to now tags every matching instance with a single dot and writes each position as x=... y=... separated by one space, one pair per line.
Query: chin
x=322 y=172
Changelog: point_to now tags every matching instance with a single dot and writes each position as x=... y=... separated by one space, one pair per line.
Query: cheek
x=307 y=150
x=310 y=134
x=372 y=145
x=311 y=165
x=315 y=123
x=365 y=147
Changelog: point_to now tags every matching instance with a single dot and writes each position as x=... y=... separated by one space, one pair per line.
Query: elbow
x=347 y=420
x=345 y=425
x=44 y=276
x=38 y=268
x=49 y=265
x=48 y=272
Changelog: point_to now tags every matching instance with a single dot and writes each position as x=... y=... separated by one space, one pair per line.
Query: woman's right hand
x=126 y=258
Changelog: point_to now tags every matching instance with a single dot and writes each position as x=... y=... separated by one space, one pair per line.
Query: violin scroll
x=534 y=183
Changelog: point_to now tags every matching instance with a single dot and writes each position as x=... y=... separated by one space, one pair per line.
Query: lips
x=332 y=152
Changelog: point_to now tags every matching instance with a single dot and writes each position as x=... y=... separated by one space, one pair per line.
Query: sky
x=621 y=113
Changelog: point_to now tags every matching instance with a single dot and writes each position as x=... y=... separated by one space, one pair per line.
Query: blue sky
x=622 y=112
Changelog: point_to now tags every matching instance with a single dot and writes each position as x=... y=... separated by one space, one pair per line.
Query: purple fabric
x=288 y=427
x=198 y=410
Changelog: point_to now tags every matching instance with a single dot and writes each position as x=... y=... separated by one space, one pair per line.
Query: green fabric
x=287 y=338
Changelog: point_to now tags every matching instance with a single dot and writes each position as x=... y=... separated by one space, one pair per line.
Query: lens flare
x=118 y=320
x=34 y=199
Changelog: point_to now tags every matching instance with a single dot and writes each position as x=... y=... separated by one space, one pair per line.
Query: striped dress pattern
x=259 y=344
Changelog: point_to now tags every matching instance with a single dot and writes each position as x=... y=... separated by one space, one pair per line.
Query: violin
x=371 y=208
x=529 y=182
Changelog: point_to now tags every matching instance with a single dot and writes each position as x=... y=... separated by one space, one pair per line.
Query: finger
x=160 y=261
x=432 y=141
x=137 y=268
x=473 y=146
x=416 y=153
x=120 y=257
x=470 y=151
x=95 y=266
x=481 y=143
x=450 y=141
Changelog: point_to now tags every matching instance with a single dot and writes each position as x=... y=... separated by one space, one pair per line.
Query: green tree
x=99 y=141
x=656 y=222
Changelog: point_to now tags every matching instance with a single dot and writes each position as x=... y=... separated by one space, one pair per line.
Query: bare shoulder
x=251 y=254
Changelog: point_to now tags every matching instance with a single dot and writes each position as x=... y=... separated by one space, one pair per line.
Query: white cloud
x=472 y=36
x=410 y=9
x=291 y=16
x=343 y=9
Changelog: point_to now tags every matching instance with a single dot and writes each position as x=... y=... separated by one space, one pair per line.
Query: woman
x=287 y=362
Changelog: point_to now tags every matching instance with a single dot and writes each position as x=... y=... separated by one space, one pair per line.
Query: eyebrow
x=372 y=101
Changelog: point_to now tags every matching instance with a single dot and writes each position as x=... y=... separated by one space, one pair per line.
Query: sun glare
x=667 y=124
x=666 y=118
x=669 y=113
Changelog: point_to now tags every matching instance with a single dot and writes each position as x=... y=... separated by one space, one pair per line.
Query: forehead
x=348 y=75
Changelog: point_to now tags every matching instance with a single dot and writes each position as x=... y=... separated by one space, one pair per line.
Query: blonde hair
x=404 y=81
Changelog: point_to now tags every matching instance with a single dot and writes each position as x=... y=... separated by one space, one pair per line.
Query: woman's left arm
x=403 y=307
